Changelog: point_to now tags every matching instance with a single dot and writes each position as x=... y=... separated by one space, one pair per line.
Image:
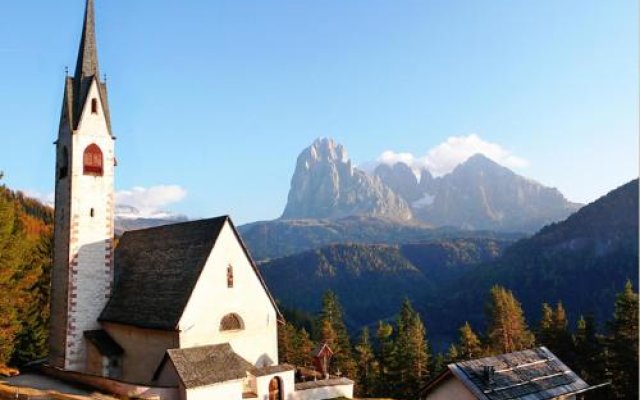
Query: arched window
x=231 y=322
x=64 y=163
x=92 y=160
x=94 y=106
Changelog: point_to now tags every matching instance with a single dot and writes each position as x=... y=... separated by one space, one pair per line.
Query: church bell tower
x=82 y=275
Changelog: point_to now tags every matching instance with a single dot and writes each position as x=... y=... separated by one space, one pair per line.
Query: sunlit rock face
x=326 y=185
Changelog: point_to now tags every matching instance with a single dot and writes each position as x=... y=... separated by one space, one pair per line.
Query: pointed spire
x=87 y=64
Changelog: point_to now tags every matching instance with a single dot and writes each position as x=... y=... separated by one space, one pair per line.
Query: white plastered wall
x=91 y=238
x=231 y=390
x=287 y=381
x=212 y=299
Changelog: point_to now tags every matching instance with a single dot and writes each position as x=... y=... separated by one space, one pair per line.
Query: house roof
x=104 y=343
x=320 y=348
x=208 y=365
x=535 y=374
x=156 y=270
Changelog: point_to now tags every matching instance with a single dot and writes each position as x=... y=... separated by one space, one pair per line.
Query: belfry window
x=63 y=171
x=229 y=276
x=92 y=160
x=231 y=322
x=94 y=106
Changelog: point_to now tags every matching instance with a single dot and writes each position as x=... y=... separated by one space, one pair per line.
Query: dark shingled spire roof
x=87 y=64
x=87 y=69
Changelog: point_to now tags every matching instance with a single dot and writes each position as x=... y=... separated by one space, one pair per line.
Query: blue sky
x=219 y=97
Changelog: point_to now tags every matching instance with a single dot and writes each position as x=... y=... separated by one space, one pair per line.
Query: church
x=174 y=312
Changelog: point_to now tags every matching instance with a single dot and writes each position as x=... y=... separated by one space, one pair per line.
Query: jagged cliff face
x=478 y=194
x=326 y=185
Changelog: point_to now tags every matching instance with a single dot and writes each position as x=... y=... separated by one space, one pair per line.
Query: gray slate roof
x=531 y=374
x=104 y=343
x=156 y=270
x=208 y=365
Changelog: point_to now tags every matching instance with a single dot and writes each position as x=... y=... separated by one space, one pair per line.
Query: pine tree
x=340 y=344
x=544 y=334
x=563 y=343
x=304 y=347
x=11 y=238
x=367 y=365
x=469 y=345
x=590 y=363
x=411 y=353
x=386 y=357
x=286 y=343
x=624 y=344
x=31 y=341
x=508 y=331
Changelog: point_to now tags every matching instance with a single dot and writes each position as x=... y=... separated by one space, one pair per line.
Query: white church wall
x=231 y=390
x=212 y=299
x=451 y=388
x=287 y=381
x=324 y=393
x=91 y=237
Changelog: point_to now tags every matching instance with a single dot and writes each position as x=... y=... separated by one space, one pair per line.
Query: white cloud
x=150 y=201
x=444 y=157
x=46 y=199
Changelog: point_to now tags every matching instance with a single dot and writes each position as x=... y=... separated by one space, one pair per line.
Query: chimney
x=488 y=372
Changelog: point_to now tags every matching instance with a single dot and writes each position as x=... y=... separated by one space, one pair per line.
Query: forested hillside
x=372 y=280
x=25 y=266
x=583 y=262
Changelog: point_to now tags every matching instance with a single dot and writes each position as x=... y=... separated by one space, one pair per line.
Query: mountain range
x=582 y=261
x=478 y=194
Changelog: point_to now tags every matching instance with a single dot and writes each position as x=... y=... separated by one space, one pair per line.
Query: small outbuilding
x=535 y=374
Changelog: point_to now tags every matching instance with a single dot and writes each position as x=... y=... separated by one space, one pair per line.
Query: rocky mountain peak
x=326 y=185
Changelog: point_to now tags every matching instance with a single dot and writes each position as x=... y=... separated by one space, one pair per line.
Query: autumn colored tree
x=286 y=343
x=334 y=332
x=11 y=252
x=303 y=348
x=508 y=331
x=469 y=345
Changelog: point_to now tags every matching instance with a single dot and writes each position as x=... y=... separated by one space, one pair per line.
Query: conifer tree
x=453 y=354
x=340 y=344
x=286 y=343
x=544 y=334
x=508 y=331
x=304 y=347
x=624 y=344
x=563 y=343
x=367 y=365
x=11 y=237
x=411 y=353
x=386 y=357
x=469 y=345
x=590 y=361
x=31 y=341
